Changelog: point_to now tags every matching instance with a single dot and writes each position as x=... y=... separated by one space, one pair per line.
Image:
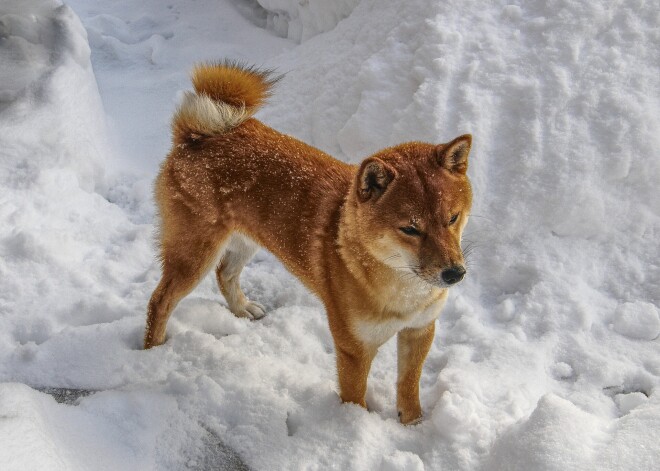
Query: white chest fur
x=377 y=331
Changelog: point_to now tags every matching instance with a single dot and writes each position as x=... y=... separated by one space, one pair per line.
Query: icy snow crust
x=546 y=357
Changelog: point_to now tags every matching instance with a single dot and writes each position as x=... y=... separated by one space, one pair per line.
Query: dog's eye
x=410 y=230
x=453 y=219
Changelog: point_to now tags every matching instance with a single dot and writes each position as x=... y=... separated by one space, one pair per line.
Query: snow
x=627 y=402
x=49 y=91
x=300 y=20
x=402 y=461
x=638 y=320
x=546 y=357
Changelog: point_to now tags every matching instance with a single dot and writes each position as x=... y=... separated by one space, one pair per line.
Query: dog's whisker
x=391 y=257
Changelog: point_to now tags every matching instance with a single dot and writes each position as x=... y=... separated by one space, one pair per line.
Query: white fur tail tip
x=226 y=94
x=199 y=116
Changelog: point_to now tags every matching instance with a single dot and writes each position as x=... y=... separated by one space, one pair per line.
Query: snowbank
x=58 y=238
x=56 y=232
x=48 y=90
x=546 y=357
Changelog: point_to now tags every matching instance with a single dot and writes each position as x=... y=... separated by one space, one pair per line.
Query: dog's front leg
x=412 y=347
x=353 y=365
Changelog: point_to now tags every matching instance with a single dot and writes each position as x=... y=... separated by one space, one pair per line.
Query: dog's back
x=223 y=160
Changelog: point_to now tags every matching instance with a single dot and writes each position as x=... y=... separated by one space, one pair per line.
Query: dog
x=379 y=243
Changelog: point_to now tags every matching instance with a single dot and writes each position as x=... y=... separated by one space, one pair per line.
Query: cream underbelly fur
x=238 y=251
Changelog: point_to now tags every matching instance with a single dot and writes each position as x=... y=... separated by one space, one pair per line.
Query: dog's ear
x=454 y=155
x=373 y=178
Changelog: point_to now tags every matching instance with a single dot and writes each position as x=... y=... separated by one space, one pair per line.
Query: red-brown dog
x=379 y=243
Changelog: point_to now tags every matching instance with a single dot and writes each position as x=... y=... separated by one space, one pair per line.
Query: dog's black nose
x=453 y=275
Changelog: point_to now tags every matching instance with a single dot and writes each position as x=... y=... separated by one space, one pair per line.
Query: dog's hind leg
x=188 y=253
x=237 y=253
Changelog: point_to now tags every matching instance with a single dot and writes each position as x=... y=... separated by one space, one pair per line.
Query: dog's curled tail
x=226 y=94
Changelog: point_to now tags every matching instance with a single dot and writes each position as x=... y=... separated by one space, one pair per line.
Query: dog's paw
x=256 y=309
x=410 y=418
x=251 y=310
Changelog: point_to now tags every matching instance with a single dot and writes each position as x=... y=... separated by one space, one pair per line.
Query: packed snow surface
x=547 y=357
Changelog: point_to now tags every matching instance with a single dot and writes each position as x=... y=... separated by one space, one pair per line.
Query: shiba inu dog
x=379 y=242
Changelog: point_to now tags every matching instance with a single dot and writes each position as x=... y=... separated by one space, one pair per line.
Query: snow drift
x=51 y=111
x=546 y=357
x=57 y=236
